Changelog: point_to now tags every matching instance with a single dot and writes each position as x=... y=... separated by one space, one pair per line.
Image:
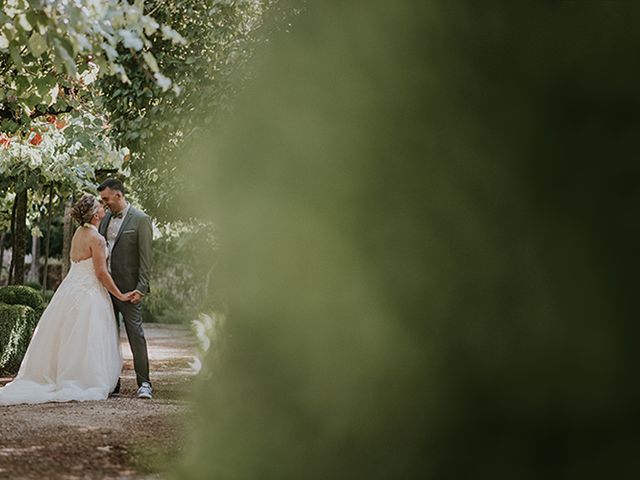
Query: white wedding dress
x=74 y=353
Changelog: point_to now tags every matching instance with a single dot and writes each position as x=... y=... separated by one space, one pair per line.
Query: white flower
x=116 y=68
x=24 y=23
x=157 y=233
x=35 y=159
x=170 y=34
x=75 y=148
x=150 y=25
x=151 y=61
x=196 y=365
x=131 y=40
x=110 y=51
x=201 y=334
x=54 y=94
x=163 y=82
x=89 y=76
x=207 y=321
x=83 y=42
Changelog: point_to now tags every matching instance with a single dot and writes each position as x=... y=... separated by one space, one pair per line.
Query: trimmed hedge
x=17 y=323
x=20 y=310
x=22 y=295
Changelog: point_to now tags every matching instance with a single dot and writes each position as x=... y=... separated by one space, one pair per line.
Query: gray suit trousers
x=132 y=317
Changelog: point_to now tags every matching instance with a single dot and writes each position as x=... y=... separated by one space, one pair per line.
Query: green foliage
x=48 y=295
x=22 y=295
x=6 y=203
x=17 y=323
x=51 y=53
x=34 y=285
x=163 y=305
x=51 y=50
x=180 y=279
x=157 y=124
x=427 y=212
x=64 y=156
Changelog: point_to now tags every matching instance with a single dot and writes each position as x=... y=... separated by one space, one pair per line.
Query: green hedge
x=20 y=310
x=22 y=295
x=17 y=323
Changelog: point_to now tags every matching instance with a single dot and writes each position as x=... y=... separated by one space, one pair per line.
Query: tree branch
x=50 y=111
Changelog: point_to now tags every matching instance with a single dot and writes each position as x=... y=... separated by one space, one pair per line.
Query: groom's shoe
x=145 y=390
x=116 y=390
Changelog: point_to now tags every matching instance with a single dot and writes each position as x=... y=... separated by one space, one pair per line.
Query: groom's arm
x=145 y=237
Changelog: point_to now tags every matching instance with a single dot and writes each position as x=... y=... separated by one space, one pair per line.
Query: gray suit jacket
x=131 y=252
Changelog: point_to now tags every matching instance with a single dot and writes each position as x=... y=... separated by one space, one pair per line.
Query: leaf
x=8 y=126
x=15 y=56
x=33 y=100
x=102 y=64
x=22 y=84
x=45 y=84
x=37 y=44
x=66 y=58
x=34 y=17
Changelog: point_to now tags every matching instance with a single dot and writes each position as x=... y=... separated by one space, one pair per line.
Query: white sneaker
x=145 y=391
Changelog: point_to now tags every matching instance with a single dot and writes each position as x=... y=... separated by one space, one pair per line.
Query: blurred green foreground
x=429 y=223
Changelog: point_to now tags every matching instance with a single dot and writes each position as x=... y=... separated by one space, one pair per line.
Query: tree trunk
x=34 y=270
x=66 y=238
x=1 y=252
x=47 y=242
x=20 y=237
x=12 y=263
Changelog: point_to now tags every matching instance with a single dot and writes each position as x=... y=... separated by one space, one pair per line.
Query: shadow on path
x=122 y=437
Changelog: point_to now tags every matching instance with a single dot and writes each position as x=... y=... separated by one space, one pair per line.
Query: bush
x=17 y=323
x=48 y=295
x=22 y=295
x=179 y=277
x=162 y=306
x=34 y=285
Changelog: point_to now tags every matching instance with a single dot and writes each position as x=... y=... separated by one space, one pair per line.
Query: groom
x=129 y=233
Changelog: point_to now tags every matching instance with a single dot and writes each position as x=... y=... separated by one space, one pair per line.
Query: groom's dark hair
x=113 y=184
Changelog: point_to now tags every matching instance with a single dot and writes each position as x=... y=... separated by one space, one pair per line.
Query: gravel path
x=119 y=438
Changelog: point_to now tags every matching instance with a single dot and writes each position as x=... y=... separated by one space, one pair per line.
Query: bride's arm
x=100 y=265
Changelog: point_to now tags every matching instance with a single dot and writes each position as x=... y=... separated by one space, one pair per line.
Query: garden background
x=421 y=216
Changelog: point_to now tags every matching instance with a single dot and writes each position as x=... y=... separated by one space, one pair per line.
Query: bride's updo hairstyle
x=85 y=208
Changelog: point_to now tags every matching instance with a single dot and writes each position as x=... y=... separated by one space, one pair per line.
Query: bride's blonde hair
x=85 y=208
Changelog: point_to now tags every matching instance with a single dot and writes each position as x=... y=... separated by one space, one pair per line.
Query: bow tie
x=117 y=215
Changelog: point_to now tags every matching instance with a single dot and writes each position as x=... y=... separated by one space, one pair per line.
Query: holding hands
x=134 y=297
x=127 y=297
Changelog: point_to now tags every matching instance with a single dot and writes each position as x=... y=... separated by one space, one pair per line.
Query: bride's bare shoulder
x=97 y=238
x=89 y=236
x=79 y=235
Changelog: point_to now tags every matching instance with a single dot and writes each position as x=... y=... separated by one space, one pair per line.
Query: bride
x=75 y=352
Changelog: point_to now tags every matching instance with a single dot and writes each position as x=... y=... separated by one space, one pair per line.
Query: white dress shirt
x=113 y=229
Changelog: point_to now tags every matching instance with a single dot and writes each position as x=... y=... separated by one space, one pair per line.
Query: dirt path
x=119 y=438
